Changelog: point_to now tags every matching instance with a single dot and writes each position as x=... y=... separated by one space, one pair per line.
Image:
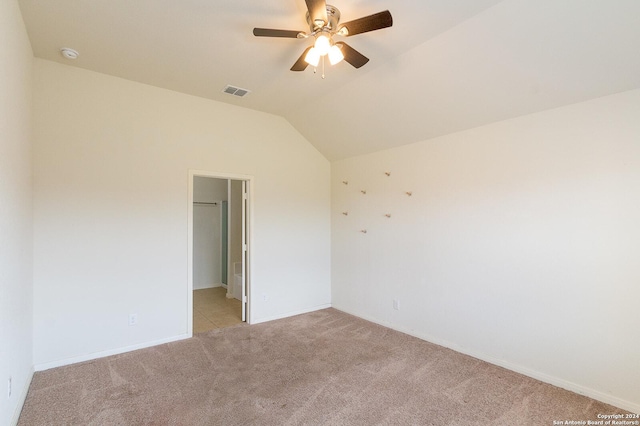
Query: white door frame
x=249 y=236
x=245 y=248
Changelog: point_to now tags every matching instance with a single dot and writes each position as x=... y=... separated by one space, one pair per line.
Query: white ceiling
x=444 y=66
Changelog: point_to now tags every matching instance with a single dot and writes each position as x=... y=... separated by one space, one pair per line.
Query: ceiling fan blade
x=267 y=32
x=317 y=10
x=351 y=55
x=301 y=64
x=373 y=22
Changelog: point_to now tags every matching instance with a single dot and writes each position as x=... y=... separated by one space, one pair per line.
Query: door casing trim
x=249 y=235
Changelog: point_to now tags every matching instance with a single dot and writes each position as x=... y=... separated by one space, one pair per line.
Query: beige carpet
x=322 y=368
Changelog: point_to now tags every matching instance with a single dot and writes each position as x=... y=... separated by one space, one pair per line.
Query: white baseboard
x=552 y=380
x=21 y=399
x=214 y=285
x=291 y=314
x=102 y=354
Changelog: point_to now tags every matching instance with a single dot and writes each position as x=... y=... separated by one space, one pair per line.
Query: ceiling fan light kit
x=323 y=47
x=324 y=24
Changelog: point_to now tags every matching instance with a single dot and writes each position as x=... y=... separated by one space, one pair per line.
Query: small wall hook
x=388 y=216
x=363 y=191
x=387 y=173
x=345 y=213
x=409 y=193
x=346 y=182
x=364 y=231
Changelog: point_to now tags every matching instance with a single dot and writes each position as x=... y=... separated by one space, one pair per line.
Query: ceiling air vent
x=236 y=91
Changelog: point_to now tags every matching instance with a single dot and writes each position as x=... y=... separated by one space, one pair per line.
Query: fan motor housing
x=333 y=16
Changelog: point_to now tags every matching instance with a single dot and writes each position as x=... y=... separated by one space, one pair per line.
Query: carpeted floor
x=322 y=368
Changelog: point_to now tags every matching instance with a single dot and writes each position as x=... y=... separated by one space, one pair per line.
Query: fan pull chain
x=315 y=69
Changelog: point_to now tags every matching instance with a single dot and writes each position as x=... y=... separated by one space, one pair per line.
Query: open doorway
x=218 y=250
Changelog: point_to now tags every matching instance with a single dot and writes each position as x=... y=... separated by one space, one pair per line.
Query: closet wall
x=208 y=194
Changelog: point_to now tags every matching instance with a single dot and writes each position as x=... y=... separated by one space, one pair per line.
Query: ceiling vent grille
x=236 y=91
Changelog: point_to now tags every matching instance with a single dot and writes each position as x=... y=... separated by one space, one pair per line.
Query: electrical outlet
x=396 y=304
x=9 y=388
x=133 y=319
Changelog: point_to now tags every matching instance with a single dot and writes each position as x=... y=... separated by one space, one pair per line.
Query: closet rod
x=200 y=202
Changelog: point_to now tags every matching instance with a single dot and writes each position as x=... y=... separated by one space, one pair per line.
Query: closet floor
x=212 y=309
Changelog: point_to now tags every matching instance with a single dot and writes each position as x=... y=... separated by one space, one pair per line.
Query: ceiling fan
x=324 y=23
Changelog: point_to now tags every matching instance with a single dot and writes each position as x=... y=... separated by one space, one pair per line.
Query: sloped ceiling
x=444 y=66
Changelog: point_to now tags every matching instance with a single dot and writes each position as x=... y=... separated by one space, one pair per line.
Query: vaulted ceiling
x=444 y=66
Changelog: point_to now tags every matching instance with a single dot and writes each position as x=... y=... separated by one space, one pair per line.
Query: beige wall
x=111 y=164
x=16 y=226
x=519 y=244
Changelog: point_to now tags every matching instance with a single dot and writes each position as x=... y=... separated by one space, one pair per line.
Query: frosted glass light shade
x=335 y=55
x=312 y=57
x=322 y=45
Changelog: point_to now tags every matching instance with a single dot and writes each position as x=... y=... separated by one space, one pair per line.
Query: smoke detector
x=69 y=53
